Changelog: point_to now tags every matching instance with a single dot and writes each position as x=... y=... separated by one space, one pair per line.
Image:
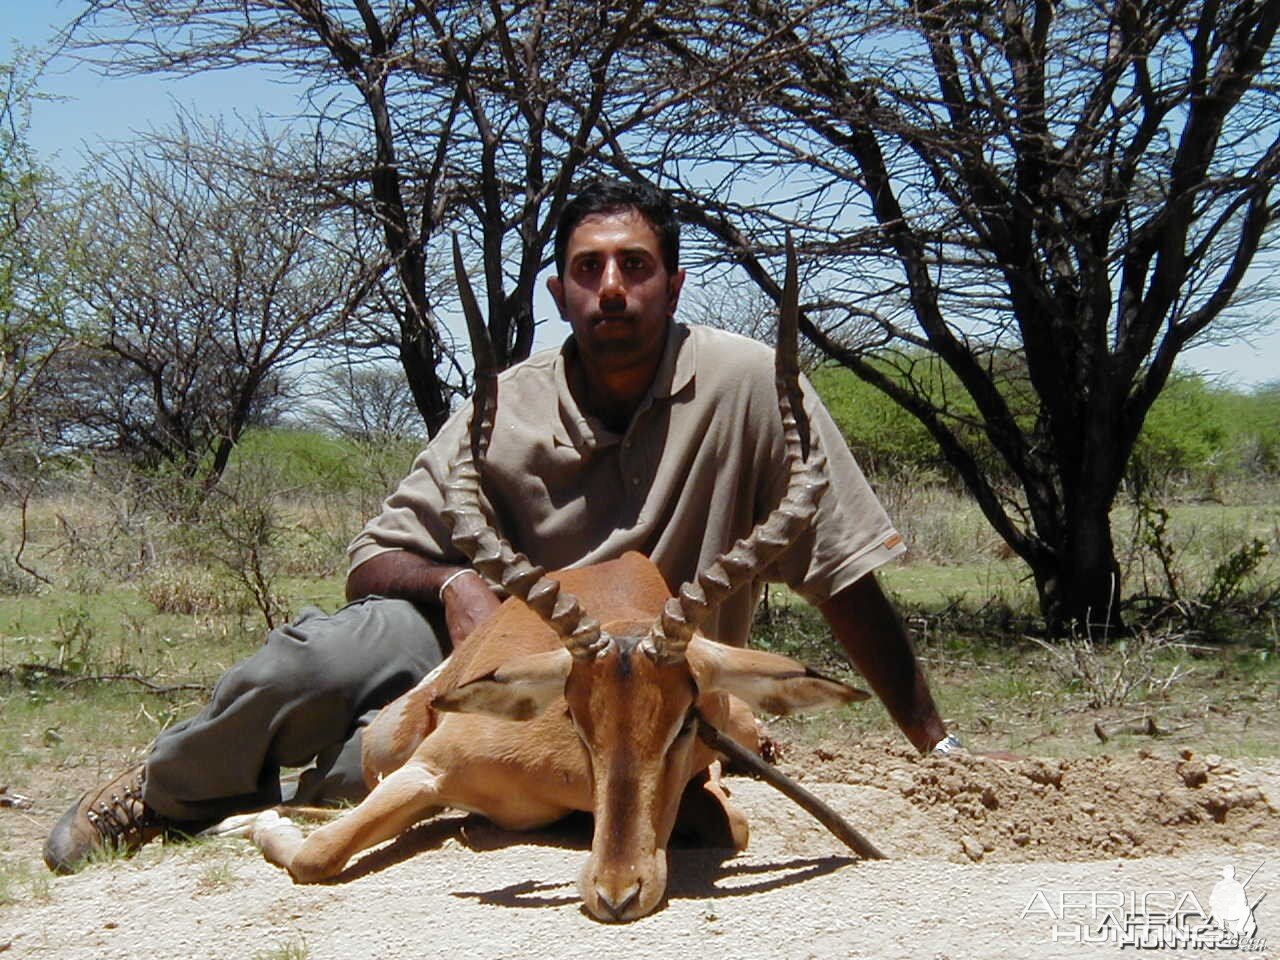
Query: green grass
x=216 y=878
x=49 y=724
x=23 y=882
x=87 y=680
x=925 y=587
x=292 y=950
x=1015 y=698
x=118 y=630
x=1003 y=691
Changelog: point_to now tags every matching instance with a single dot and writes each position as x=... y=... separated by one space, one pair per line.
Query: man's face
x=616 y=293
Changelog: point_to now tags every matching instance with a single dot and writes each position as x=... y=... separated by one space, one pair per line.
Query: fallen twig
x=66 y=678
x=131 y=678
x=1142 y=726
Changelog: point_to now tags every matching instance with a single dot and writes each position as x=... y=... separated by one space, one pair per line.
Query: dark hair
x=612 y=196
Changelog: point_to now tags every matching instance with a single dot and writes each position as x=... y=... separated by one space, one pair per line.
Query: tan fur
x=629 y=588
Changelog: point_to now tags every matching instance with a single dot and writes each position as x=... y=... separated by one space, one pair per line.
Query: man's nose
x=613 y=294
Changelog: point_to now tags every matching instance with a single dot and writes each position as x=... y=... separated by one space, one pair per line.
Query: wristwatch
x=948 y=744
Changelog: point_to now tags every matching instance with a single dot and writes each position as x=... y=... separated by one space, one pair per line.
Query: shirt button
x=635 y=481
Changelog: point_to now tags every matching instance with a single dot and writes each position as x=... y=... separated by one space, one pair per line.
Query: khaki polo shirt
x=700 y=464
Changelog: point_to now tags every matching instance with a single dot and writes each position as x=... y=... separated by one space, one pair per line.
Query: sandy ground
x=987 y=859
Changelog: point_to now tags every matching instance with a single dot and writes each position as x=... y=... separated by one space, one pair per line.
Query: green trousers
x=299 y=701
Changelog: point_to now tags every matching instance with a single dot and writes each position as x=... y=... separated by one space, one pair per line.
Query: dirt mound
x=1083 y=808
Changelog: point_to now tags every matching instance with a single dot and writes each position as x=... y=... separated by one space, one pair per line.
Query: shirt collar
x=675 y=372
x=675 y=369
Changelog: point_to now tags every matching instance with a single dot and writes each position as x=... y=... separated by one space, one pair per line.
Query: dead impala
x=547 y=709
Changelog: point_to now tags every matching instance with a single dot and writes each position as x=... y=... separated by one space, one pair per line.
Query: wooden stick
x=771 y=775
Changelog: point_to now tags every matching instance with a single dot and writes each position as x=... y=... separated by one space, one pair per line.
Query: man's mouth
x=612 y=321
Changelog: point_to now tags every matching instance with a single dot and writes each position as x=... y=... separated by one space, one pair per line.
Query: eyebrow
x=625 y=251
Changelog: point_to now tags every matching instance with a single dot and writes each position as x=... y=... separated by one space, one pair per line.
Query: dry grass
x=940 y=524
x=189 y=592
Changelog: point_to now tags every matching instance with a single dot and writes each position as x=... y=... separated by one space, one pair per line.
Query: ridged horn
x=489 y=552
x=684 y=613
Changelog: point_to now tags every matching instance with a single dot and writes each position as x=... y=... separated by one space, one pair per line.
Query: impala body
x=515 y=728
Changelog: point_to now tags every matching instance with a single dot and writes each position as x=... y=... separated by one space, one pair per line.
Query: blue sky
x=86 y=110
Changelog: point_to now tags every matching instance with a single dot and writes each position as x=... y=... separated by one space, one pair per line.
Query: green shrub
x=887 y=439
x=883 y=436
x=323 y=464
x=1253 y=429
x=1183 y=438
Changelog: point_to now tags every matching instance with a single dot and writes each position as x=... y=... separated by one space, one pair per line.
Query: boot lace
x=124 y=816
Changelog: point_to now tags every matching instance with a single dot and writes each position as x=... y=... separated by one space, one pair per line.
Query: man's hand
x=467 y=602
x=869 y=629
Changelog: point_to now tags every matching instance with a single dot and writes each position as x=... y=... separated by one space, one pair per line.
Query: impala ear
x=520 y=689
x=767 y=682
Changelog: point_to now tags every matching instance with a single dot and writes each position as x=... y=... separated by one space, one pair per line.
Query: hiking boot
x=112 y=817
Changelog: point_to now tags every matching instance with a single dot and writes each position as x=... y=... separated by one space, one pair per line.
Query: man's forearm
x=872 y=634
x=402 y=575
x=399 y=574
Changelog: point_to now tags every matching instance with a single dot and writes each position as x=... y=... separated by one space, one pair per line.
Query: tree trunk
x=418 y=359
x=1078 y=582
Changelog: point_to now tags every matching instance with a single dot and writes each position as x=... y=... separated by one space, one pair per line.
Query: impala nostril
x=616 y=908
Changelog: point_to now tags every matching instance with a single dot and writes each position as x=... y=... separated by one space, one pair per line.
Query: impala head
x=636 y=691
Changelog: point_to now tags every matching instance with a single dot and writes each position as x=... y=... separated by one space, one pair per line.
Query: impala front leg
x=405 y=797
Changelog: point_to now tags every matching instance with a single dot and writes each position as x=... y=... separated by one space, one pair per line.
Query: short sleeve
x=851 y=534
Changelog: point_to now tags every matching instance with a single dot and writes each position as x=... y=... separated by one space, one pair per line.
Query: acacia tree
x=472 y=115
x=1052 y=200
x=370 y=403
x=205 y=286
x=34 y=329
x=33 y=323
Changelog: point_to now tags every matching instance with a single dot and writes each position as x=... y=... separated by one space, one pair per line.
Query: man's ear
x=674 y=285
x=555 y=286
x=767 y=682
x=520 y=689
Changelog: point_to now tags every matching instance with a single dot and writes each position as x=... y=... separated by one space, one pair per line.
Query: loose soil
x=1084 y=808
x=981 y=853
